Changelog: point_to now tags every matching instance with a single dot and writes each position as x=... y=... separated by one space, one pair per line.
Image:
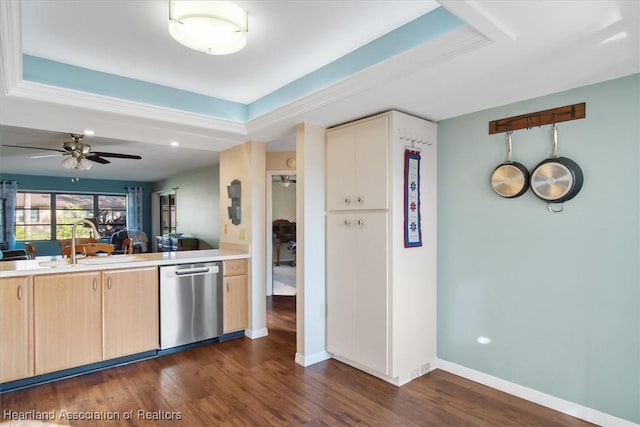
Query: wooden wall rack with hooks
x=539 y=118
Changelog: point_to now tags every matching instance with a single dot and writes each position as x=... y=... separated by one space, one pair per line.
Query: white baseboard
x=312 y=358
x=560 y=405
x=258 y=333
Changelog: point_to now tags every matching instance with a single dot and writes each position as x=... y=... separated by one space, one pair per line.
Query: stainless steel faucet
x=73 y=236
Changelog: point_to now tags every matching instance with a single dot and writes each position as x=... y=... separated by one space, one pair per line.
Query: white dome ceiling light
x=212 y=27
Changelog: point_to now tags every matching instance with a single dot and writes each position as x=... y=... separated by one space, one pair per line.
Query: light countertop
x=55 y=265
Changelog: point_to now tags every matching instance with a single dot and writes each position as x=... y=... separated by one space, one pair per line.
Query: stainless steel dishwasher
x=190 y=303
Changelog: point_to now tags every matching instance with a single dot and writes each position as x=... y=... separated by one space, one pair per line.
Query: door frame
x=269 y=223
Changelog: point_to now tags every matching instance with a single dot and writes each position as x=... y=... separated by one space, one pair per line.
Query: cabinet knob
x=20 y=293
x=95 y=284
x=361 y=200
x=347 y=223
x=360 y=222
x=347 y=200
x=109 y=283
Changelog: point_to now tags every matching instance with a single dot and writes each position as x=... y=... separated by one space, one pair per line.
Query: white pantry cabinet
x=357 y=253
x=358 y=177
x=381 y=313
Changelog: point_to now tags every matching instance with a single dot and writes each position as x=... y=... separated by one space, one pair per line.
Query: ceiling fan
x=284 y=180
x=80 y=153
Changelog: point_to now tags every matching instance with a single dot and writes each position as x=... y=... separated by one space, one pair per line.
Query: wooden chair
x=79 y=241
x=31 y=250
x=127 y=246
x=284 y=231
x=89 y=249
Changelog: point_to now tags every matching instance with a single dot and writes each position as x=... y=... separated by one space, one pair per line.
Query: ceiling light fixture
x=285 y=181
x=212 y=27
x=76 y=163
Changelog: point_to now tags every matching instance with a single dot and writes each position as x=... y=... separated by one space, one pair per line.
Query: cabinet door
x=357 y=166
x=371 y=164
x=371 y=283
x=357 y=288
x=130 y=317
x=340 y=188
x=341 y=284
x=16 y=351
x=235 y=303
x=67 y=320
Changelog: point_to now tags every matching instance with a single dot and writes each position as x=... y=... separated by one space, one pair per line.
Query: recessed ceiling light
x=89 y=132
x=175 y=143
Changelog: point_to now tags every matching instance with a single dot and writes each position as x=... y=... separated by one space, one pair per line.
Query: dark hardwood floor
x=245 y=382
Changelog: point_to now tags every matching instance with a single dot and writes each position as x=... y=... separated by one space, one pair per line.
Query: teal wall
x=557 y=294
x=54 y=183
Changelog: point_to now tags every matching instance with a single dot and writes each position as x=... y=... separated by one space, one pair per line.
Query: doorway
x=281 y=233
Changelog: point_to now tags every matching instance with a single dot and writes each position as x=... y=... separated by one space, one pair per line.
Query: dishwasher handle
x=194 y=271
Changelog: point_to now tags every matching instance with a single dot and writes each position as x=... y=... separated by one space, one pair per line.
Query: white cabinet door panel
x=371 y=314
x=341 y=173
x=341 y=280
x=357 y=166
x=357 y=287
x=372 y=170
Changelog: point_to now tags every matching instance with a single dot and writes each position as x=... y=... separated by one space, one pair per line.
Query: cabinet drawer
x=234 y=267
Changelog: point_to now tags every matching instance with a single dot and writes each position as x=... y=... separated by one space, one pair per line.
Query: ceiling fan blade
x=42 y=156
x=35 y=148
x=115 y=155
x=97 y=159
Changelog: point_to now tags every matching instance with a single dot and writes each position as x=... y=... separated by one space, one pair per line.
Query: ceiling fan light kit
x=212 y=27
x=80 y=154
x=76 y=163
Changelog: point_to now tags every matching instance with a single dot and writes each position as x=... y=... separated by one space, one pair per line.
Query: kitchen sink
x=91 y=260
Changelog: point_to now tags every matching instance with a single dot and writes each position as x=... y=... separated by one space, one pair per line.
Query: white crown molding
x=269 y=125
x=10 y=45
x=73 y=98
x=535 y=396
x=450 y=45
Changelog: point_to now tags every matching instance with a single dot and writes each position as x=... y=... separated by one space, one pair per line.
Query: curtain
x=134 y=208
x=8 y=191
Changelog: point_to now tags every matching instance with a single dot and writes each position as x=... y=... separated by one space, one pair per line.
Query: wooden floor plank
x=245 y=382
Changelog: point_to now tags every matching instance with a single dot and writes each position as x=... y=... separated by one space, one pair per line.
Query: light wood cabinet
x=381 y=314
x=67 y=320
x=130 y=311
x=16 y=350
x=87 y=317
x=235 y=299
x=358 y=158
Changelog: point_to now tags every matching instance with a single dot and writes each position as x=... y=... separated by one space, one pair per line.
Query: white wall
x=310 y=274
x=284 y=201
x=247 y=163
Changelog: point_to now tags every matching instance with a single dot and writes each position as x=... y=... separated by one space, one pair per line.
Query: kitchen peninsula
x=59 y=319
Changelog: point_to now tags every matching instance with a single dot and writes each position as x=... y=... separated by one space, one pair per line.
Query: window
x=26 y=228
x=50 y=216
x=168 y=213
x=112 y=214
x=69 y=209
